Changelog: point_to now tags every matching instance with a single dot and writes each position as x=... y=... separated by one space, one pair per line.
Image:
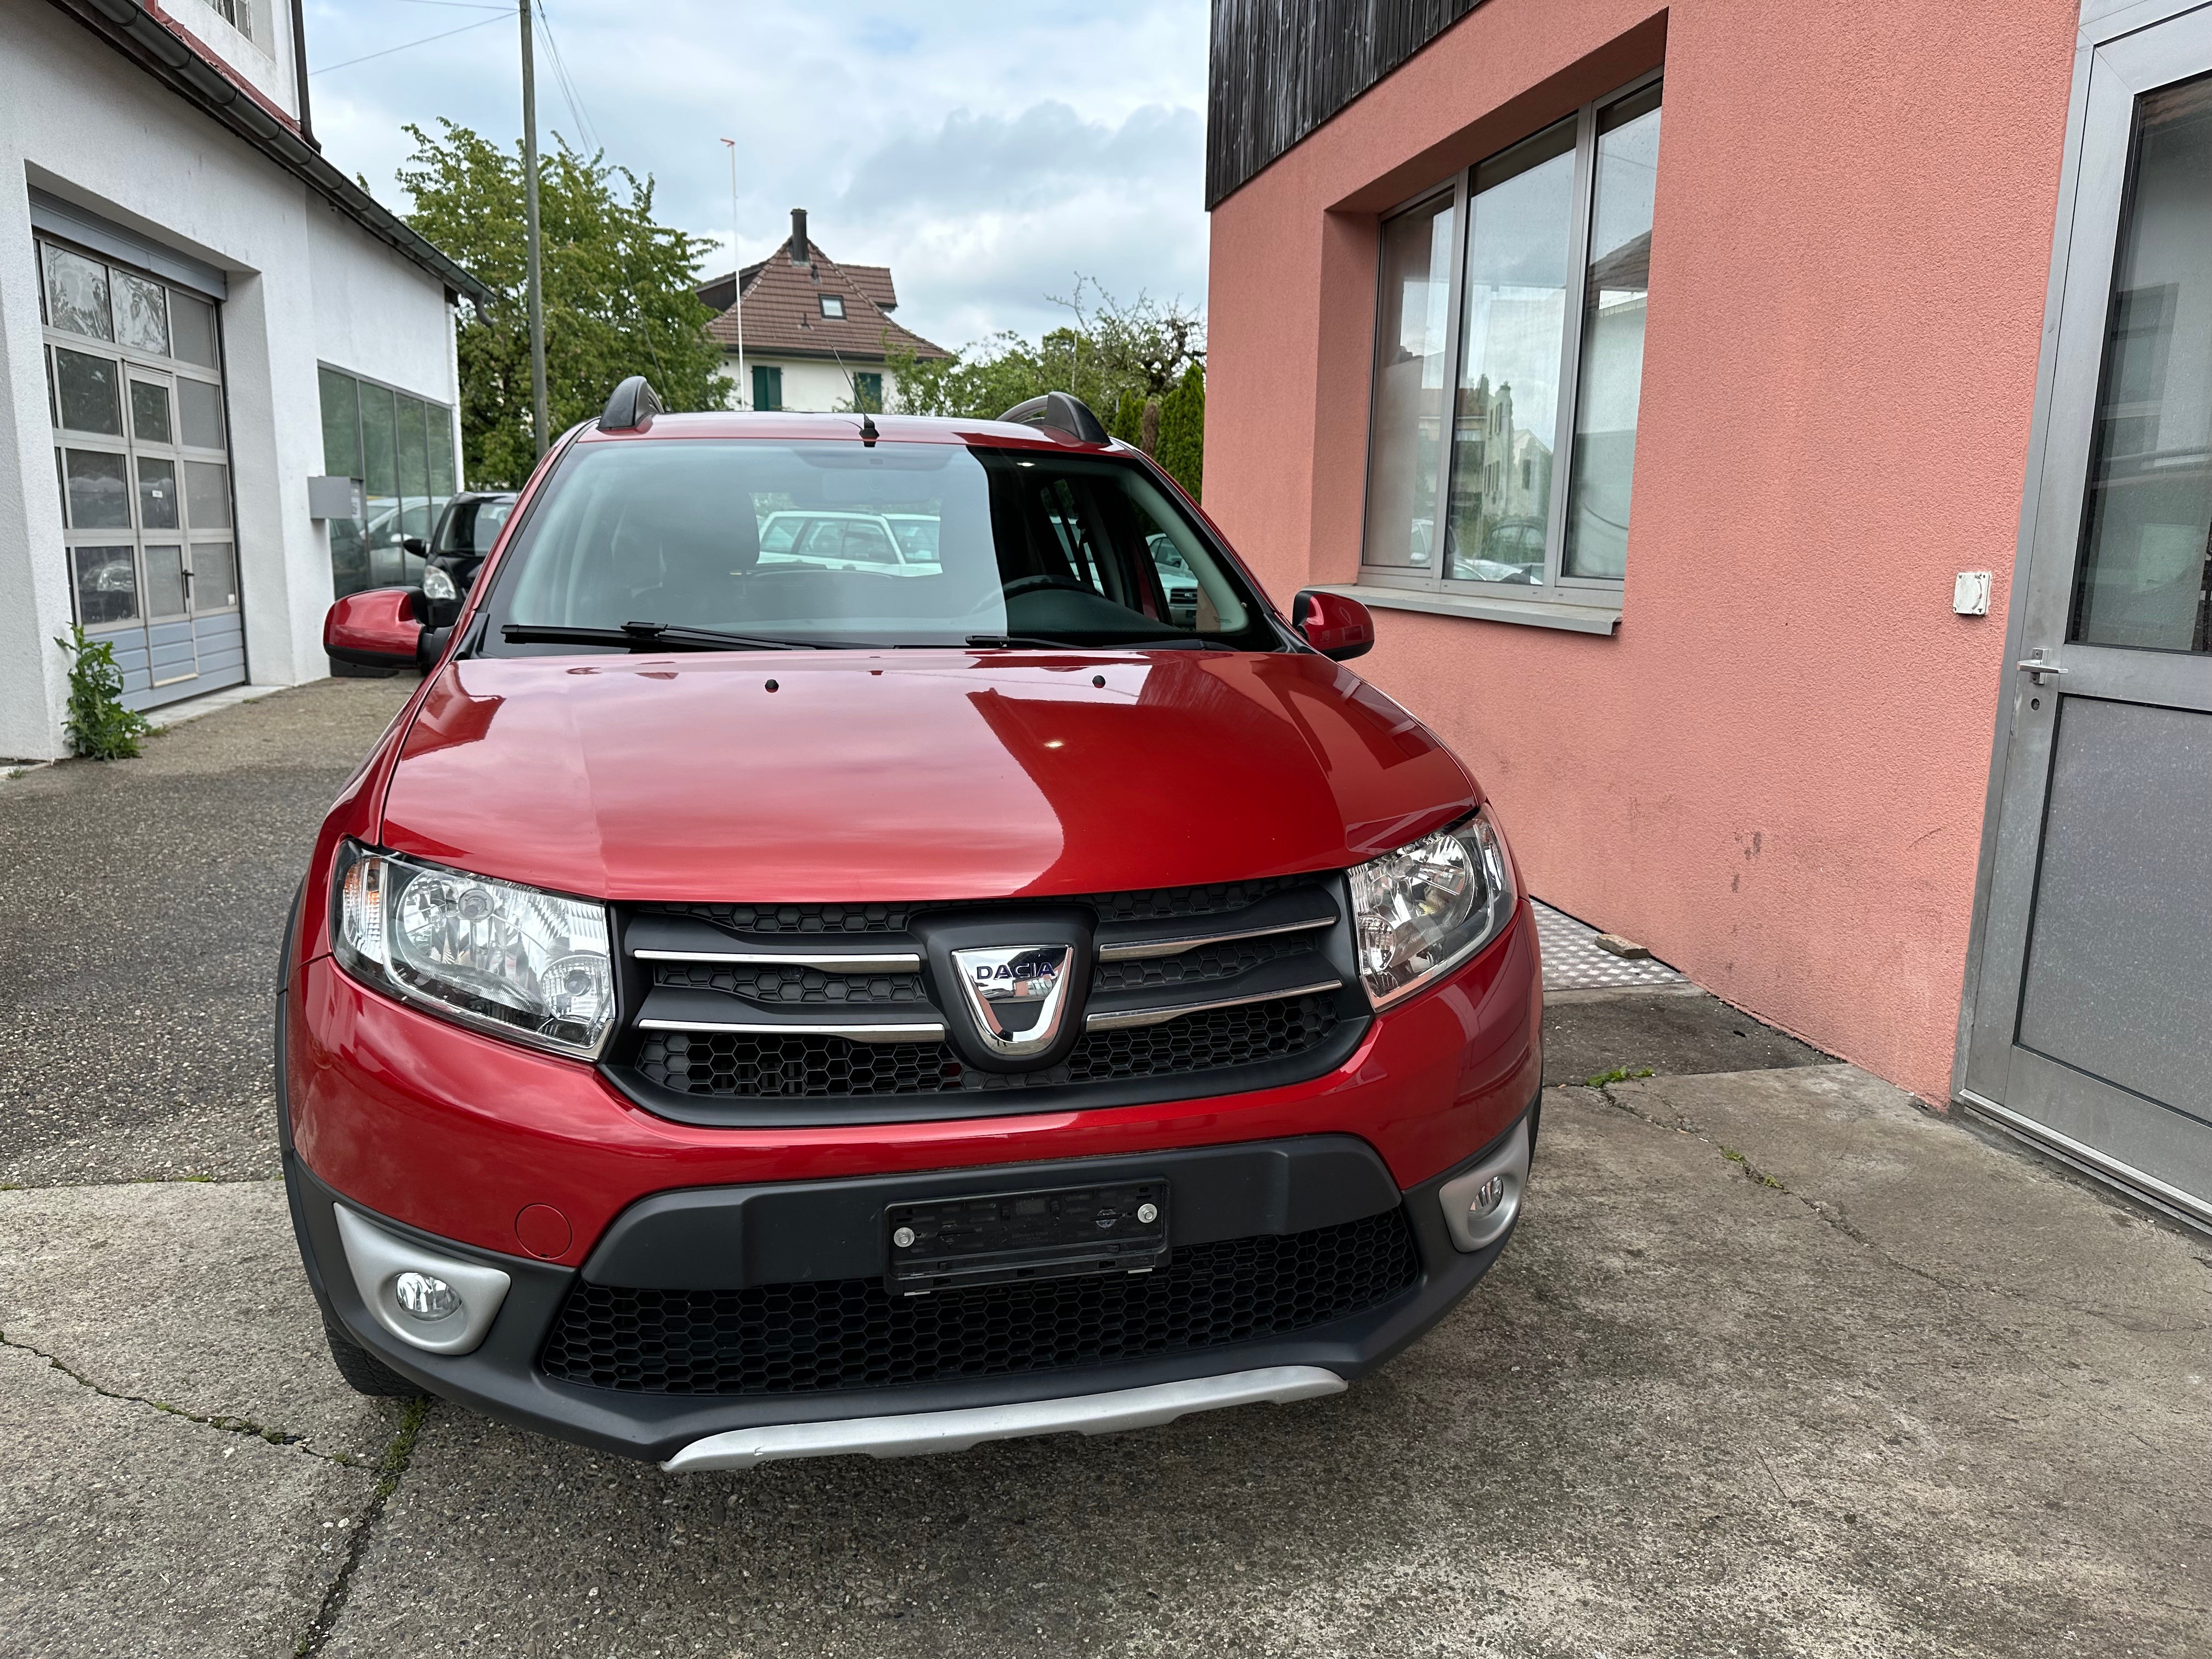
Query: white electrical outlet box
x=1970 y=594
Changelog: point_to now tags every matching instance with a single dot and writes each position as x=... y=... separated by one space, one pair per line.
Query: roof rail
x=634 y=404
x=1060 y=412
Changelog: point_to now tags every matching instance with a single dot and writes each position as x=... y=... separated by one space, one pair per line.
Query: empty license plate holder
x=997 y=1238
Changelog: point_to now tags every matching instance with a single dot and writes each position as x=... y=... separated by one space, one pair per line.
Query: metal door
x=2089 y=1022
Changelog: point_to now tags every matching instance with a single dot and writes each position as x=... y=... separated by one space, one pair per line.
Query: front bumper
x=1284 y=1187
x=534 y=1168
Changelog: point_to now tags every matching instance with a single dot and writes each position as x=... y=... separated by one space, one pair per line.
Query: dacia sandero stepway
x=752 y=1007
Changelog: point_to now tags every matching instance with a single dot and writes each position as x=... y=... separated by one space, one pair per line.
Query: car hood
x=907 y=776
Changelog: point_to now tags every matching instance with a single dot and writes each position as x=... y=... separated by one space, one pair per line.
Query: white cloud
x=986 y=152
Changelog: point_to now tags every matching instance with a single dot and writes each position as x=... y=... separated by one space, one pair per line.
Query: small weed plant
x=100 y=727
x=1619 y=1074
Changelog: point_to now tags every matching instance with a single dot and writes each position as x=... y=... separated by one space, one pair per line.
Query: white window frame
x=1580 y=604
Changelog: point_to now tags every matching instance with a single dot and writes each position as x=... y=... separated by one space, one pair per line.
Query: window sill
x=1486 y=607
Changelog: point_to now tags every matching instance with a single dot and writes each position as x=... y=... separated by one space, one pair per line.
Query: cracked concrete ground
x=1777 y=1364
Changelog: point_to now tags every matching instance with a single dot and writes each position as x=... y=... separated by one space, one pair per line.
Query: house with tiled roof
x=810 y=334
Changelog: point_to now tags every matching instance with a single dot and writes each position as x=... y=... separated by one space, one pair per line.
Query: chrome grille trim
x=904 y=961
x=913 y=1031
x=1123 y=1018
x=1149 y=949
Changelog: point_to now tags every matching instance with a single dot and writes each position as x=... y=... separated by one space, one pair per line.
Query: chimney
x=799 y=253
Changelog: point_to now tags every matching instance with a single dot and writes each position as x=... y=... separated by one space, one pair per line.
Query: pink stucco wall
x=1774 y=773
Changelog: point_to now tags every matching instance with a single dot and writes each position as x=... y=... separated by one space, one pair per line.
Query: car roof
x=890 y=428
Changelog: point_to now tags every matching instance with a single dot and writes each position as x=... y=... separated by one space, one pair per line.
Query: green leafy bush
x=1182 y=432
x=100 y=727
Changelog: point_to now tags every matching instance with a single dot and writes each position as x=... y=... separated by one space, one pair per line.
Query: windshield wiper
x=654 y=636
x=1175 y=643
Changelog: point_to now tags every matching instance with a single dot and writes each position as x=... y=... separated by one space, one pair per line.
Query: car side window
x=781 y=532
x=868 y=542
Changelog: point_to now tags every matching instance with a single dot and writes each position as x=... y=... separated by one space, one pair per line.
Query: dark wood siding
x=1280 y=68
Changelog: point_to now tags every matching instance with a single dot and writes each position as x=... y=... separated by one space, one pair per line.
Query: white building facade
x=185 y=286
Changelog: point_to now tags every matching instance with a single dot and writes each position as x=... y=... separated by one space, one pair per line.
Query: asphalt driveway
x=1778 y=1364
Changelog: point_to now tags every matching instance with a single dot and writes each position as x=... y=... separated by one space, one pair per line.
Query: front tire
x=363 y=1371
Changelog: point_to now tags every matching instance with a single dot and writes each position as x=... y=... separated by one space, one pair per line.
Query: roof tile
x=783 y=310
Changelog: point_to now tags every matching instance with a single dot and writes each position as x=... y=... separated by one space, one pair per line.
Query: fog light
x=425 y=1297
x=1479 y=1204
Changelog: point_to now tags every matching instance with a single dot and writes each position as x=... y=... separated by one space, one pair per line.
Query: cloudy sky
x=987 y=150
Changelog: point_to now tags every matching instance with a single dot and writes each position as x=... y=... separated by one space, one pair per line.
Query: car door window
x=867 y=542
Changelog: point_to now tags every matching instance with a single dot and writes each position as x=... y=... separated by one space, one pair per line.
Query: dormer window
x=832 y=305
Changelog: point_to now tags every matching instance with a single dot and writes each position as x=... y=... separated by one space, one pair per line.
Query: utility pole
x=737 y=280
x=530 y=201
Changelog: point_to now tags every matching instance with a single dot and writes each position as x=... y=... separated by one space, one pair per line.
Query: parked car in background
x=749 y=1007
x=841 y=541
x=917 y=534
x=1180 y=584
x=466 y=533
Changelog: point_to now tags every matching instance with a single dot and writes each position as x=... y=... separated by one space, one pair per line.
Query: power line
x=405 y=45
x=586 y=128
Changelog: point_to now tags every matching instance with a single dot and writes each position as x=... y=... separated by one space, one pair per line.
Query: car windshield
x=470 y=527
x=889 y=544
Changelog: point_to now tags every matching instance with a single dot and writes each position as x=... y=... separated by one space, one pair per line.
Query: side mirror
x=414 y=544
x=1339 y=627
x=380 y=629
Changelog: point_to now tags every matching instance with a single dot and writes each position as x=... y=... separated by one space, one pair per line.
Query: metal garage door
x=142 y=457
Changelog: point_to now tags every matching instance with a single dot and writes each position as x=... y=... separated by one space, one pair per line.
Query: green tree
x=1128 y=421
x=618 y=290
x=1115 y=358
x=1182 y=431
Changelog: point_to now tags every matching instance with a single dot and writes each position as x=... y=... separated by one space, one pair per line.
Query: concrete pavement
x=1778 y=1364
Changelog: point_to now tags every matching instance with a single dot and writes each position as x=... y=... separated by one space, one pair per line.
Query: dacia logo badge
x=1016 y=995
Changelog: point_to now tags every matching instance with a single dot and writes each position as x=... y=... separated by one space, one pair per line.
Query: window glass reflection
x=98 y=496
x=107 y=586
x=150 y=412
x=157 y=494
x=1405 y=446
x=165 y=580
x=76 y=293
x=208 y=493
x=142 y=313
x=88 y=389
x=200 y=403
x=215 y=576
x=2149 y=517
x=1612 y=371
x=1513 y=325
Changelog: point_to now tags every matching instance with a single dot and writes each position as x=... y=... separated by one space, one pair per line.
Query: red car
x=751 y=1009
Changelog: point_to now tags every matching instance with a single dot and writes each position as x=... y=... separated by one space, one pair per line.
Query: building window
x=767 y=386
x=868 y=392
x=1521 y=286
x=832 y=305
x=142 y=459
x=401 y=448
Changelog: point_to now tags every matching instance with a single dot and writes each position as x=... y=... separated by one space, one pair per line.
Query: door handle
x=2035 y=667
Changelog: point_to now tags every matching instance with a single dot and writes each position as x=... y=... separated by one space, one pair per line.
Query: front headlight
x=438 y=585
x=1426 y=908
x=526 y=965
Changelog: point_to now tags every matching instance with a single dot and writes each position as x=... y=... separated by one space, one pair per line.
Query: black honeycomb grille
x=852 y=1333
x=785 y=1066
x=1154 y=902
x=1208 y=961
x=795 y=918
x=789 y=985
